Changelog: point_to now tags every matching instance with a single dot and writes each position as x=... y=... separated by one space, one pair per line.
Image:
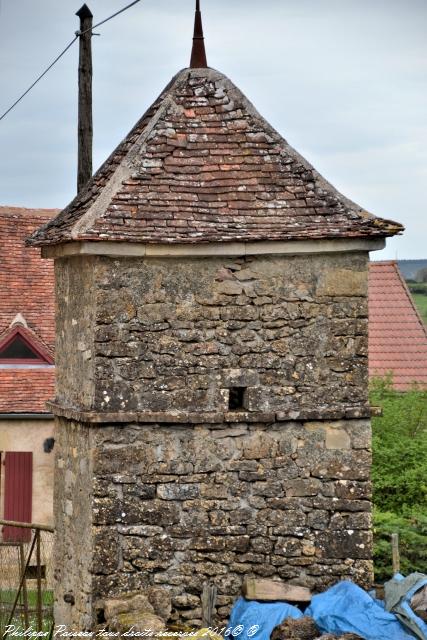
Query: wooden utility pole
x=85 y=125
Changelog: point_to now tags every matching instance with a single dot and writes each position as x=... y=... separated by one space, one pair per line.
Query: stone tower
x=212 y=392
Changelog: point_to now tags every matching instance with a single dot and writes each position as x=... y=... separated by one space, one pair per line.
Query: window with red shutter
x=18 y=494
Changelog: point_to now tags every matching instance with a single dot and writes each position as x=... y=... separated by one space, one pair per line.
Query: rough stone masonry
x=212 y=409
x=279 y=487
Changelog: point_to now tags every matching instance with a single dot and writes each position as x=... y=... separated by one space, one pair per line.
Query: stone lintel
x=290 y=247
x=182 y=417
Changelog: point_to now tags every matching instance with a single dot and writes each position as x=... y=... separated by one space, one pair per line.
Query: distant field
x=421 y=302
x=419 y=293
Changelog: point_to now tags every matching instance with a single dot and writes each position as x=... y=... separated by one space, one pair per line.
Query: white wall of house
x=29 y=435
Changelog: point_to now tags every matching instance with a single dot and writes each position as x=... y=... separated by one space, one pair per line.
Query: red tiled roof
x=203 y=166
x=397 y=335
x=26 y=281
x=26 y=390
x=26 y=288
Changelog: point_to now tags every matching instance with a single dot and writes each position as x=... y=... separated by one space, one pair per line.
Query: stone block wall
x=75 y=327
x=179 y=505
x=72 y=503
x=160 y=480
x=175 y=335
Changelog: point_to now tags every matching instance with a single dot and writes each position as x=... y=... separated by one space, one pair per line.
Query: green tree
x=399 y=474
x=412 y=532
x=421 y=275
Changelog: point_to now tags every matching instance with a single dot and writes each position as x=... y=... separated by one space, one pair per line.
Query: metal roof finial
x=198 y=53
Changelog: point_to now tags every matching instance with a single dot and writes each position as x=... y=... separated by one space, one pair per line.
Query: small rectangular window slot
x=236 y=398
x=31 y=572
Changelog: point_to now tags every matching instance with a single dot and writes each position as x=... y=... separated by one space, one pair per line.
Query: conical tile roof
x=203 y=166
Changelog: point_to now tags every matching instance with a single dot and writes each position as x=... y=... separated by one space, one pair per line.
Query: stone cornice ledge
x=289 y=247
x=182 y=417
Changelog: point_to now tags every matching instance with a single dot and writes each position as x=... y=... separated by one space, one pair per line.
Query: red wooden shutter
x=18 y=494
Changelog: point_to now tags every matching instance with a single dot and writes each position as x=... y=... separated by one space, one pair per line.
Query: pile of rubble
x=305 y=629
x=140 y=611
x=152 y=609
x=265 y=603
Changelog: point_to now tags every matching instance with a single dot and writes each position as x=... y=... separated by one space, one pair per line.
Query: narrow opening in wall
x=236 y=398
x=100 y=616
x=31 y=572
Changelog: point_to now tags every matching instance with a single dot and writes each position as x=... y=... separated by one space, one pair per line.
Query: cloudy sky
x=344 y=81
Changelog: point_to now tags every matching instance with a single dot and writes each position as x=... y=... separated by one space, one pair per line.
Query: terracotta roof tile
x=26 y=288
x=26 y=281
x=26 y=390
x=203 y=166
x=397 y=335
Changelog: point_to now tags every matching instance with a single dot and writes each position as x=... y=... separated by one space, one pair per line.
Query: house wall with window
x=27 y=372
x=26 y=435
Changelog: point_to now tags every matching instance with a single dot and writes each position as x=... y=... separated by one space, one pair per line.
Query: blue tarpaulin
x=346 y=608
x=398 y=594
x=252 y=619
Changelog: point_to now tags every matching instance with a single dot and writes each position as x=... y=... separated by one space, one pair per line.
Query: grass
x=421 y=302
x=7 y=599
x=419 y=294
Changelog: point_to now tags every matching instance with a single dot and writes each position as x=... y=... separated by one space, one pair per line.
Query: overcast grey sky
x=344 y=81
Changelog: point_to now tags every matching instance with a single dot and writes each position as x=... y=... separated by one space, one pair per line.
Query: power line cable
x=70 y=44
x=111 y=17
x=38 y=79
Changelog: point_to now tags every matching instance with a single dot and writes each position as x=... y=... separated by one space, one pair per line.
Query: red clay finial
x=198 y=53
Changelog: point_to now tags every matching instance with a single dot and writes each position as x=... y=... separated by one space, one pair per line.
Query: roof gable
x=19 y=344
x=203 y=166
x=26 y=281
x=397 y=334
x=27 y=309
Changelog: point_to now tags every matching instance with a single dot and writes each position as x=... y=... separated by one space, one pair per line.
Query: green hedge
x=418 y=287
x=399 y=474
x=412 y=532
